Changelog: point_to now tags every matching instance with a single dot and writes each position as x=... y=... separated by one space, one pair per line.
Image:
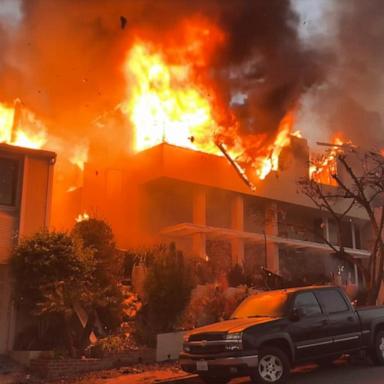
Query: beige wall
x=30 y=214
x=5 y=310
x=35 y=196
x=8 y=230
x=201 y=168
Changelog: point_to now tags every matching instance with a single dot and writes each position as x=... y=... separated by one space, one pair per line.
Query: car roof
x=300 y=289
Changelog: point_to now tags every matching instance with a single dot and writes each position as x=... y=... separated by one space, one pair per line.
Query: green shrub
x=53 y=273
x=167 y=287
x=50 y=269
x=97 y=236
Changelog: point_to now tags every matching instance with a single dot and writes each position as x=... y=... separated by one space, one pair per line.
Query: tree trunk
x=68 y=336
x=89 y=326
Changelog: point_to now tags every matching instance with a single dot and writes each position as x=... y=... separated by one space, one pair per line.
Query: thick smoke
x=350 y=101
x=63 y=59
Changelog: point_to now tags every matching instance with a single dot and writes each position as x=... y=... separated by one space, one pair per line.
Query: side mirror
x=297 y=314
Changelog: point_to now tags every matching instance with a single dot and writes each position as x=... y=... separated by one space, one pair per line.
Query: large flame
x=19 y=126
x=170 y=99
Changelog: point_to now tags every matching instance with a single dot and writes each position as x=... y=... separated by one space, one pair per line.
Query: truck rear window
x=332 y=300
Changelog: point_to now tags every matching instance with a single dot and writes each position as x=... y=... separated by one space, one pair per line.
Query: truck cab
x=272 y=331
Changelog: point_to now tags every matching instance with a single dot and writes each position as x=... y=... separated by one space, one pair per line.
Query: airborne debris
x=123 y=22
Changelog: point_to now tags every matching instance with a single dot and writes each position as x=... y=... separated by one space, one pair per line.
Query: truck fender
x=277 y=336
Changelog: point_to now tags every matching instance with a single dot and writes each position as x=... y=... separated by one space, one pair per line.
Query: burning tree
x=358 y=182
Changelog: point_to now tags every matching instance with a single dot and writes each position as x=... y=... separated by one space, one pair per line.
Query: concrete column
x=271 y=229
x=199 y=218
x=356 y=271
x=353 y=235
x=237 y=223
x=326 y=229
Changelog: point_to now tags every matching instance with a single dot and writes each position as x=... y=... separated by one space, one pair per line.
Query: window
x=332 y=301
x=307 y=301
x=8 y=181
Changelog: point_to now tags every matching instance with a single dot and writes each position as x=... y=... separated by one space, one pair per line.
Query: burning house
x=168 y=193
x=191 y=124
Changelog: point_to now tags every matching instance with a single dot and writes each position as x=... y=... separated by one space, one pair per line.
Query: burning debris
x=323 y=167
x=236 y=167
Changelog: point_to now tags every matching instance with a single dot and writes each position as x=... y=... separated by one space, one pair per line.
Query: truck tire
x=213 y=379
x=274 y=366
x=377 y=352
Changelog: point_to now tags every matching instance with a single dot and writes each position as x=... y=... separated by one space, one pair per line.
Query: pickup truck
x=271 y=332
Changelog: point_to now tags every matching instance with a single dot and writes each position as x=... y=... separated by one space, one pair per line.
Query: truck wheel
x=213 y=379
x=377 y=353
x=274 y=366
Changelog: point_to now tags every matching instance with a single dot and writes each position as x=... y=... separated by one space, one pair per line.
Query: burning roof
x=241 y=76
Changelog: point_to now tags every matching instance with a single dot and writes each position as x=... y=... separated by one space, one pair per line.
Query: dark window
x=357 y=237
x=346 y=234
x=318 y=230
x=8 y=181
x=332 y=301
x=307 y=301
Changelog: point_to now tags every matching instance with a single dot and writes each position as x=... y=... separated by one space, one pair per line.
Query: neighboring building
x=25 y=200
x=169 y=193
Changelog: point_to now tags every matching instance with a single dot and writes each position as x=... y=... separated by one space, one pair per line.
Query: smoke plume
x=350 y=100
x=63 y=58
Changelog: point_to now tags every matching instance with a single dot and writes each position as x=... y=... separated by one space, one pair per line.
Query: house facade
x=169 y=193
x=25 y=203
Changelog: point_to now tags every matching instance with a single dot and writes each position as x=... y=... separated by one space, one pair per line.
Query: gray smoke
x=350 y=100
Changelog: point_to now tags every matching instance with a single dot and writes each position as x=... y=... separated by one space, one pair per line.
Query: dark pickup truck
x=272 y=331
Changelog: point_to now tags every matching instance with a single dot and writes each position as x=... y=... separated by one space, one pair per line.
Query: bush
x=167 y=289
x=53 y=273
x=108 y=345
x=49 y=264
x=96 y=235
x=56 y=272
x=212 y=303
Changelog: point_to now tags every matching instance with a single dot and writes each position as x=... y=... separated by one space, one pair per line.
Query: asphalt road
x=341 y=373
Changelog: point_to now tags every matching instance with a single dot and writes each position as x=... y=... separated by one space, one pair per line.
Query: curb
x=188 y=379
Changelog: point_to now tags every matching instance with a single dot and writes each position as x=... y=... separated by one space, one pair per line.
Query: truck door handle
x=350 y=318
x=325 y=322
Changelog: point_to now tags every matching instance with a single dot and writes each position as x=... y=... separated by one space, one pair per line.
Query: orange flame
x=167 y=102
x=82 y=217
x=169 y=99
x=19 y=126
x=324 y=167
x=80 y=156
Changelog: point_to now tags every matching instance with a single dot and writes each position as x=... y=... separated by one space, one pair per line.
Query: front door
x=309 y=332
